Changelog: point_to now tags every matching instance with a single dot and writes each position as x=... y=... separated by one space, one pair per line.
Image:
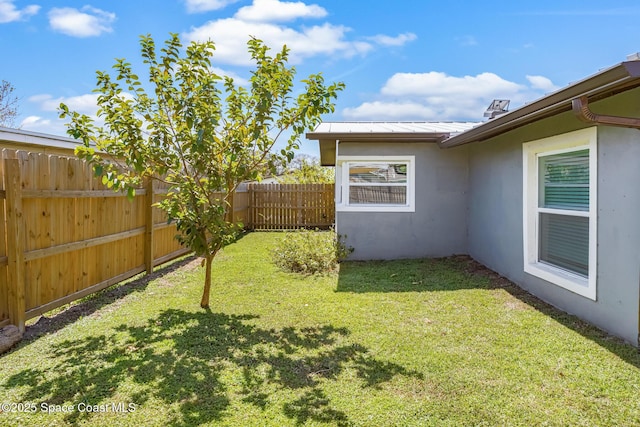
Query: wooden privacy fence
x=64 y=235
x=289 y=206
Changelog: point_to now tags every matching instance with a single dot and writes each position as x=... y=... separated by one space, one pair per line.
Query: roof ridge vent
x=497 y=107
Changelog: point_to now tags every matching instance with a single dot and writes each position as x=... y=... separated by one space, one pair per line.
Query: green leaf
x=200 y=133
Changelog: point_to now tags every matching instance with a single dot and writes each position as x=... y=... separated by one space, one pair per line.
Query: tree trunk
x=230 y=199
x=207 y=281
x=231 y=217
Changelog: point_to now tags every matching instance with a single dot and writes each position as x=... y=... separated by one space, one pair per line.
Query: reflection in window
x=377 y=195
x=377 y=172
x=375 y=184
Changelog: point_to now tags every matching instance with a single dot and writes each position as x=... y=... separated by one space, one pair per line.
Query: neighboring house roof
x=603 y=84
x=18 y=137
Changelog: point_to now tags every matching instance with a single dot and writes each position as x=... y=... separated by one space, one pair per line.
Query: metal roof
x=328 y=133
x=388 y=131
x=354 y=128
x=608 y=82
x=35 y=138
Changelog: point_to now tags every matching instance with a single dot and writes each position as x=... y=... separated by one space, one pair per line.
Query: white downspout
x=338 y=188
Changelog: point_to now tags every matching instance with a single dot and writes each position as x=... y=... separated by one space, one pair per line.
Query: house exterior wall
x=495 y=224
x=438 y=225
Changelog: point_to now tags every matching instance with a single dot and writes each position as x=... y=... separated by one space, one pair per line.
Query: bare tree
x=8 y=105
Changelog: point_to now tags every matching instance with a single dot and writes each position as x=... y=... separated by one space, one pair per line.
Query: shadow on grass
x=94 y=302
x=462 y=272
x=613 y=344
x=201 y=361
x=414 y=275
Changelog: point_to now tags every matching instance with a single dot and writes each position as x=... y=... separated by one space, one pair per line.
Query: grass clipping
x=310 y=251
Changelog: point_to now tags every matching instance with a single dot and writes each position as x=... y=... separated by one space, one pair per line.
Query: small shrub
x=310 y=252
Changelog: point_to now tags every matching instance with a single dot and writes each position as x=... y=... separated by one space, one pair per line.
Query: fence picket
x=66 y=235
x=16 y=244
x=288 y=206
x=58 y=234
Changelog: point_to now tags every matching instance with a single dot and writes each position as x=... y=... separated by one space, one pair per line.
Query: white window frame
x=343 y=185
x=532 y=152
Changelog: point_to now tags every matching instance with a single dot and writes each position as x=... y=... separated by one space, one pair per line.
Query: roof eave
x=613 y=80
x=327 y=140
x=380 y=136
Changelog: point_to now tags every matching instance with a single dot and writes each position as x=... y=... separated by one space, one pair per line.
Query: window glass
x=564 y=239
x=378 y=195
x=375 y=184
x=564 y=242
x=565 y=181
x=560 y=210
x=378 y=173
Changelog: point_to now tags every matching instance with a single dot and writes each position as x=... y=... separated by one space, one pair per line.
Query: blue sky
x=405 y=60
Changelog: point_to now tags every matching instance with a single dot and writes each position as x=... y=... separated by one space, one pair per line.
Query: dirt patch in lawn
x=474 y=268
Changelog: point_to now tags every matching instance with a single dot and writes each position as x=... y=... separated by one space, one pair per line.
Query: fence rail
x=288 y=206
x=64 y=235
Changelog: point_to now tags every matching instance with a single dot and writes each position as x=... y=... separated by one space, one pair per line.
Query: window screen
x=564 y=186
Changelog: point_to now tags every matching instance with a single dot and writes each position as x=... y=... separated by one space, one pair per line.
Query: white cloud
x=49 y=122
x=49 y=105
x=198 y=6
x=440 y=84
x=34 y=121
x=231 y=35
x=49 y=126
x=277 y=11
x=85 y=104
x=9 y=12
x=237 y=79
x=542 y=83
x=86 y=22
x=264 y=19
x=399 y=40
x=436 y=96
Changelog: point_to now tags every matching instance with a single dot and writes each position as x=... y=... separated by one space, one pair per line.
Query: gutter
x=619 y=78
x=581 y=109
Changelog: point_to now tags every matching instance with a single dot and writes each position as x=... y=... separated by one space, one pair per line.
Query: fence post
x=148 y=222
x=250 y=203
x=15 y=243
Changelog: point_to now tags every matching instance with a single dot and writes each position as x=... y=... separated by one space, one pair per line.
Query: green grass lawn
x=400 y=343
